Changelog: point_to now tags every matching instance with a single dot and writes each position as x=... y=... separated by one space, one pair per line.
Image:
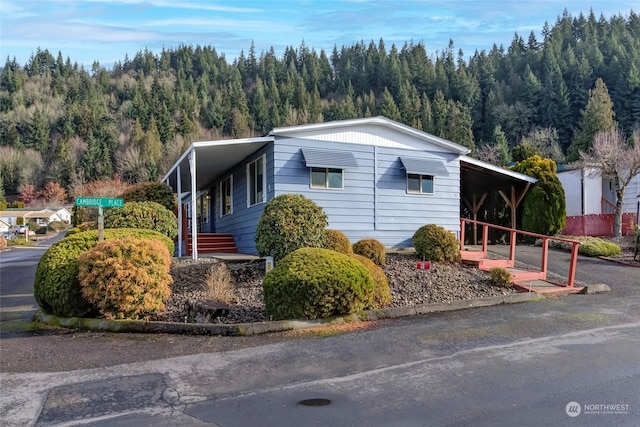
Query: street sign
x=102 y=202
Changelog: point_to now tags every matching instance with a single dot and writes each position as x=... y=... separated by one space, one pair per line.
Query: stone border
x=246 y=329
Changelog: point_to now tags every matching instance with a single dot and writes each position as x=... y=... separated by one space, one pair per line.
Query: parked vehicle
x=9 y=235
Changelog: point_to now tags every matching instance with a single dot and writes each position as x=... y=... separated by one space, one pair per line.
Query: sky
x=107 y=30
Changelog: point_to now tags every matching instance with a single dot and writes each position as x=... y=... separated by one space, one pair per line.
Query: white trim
x=420 y=192
x=262 y=157
x=380 y=121
x=326 y=179
x=223 y=196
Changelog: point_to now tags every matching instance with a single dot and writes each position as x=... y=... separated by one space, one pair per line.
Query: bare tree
x=617 y=161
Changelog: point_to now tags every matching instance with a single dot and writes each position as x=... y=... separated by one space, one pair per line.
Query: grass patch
x=21 y=241
x=589 y=246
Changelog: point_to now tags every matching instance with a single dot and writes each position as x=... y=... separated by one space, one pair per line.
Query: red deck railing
x=512 y=246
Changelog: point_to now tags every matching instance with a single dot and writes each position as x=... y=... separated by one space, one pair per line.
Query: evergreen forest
x=546 y=95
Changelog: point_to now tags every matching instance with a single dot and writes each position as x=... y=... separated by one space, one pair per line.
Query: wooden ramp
x=526 y=280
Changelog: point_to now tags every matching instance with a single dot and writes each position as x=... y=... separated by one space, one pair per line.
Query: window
x=419 y=184
x=226 y=196
x=256 y=182
x=326 y=178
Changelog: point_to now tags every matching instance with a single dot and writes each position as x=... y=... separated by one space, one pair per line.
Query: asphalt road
x=518 y=364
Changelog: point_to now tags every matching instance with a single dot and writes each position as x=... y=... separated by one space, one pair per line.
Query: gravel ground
x=409 y=286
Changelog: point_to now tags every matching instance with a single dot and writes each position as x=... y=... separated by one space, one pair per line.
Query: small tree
x=54 y=194
x=544 y=206
x=617 y=161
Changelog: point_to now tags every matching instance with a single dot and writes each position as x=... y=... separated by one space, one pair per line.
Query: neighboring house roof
x=4 y=222
x=10 y=214
x=40 y=214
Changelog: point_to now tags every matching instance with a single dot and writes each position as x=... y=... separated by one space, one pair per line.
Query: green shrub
x=337 y=241
x=372 y=249
x=312 y=283
x=435 y=243
x=85 y=226
x=381 y=289
x=593 y=246
x=57 y=226
x=501 y=277
x=158 y=192
x=290 y=222
x=146 y=215
x=544 y=206
x=56 y=287
x=36 y=228
x=636 y=241
x=126 y=278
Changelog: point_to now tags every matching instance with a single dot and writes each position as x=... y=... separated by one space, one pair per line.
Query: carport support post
x=194 y=216
x=179 y=185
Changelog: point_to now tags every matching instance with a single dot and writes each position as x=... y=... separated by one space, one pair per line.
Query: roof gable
x=377 y=131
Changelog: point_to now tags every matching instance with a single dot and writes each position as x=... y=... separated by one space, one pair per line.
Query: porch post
x=194 y=216
x=179 y=185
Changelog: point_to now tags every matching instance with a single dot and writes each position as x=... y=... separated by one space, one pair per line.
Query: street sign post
x=100 y=202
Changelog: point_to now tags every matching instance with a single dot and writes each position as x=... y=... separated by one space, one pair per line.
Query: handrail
x=605 y=203
x=512 y=246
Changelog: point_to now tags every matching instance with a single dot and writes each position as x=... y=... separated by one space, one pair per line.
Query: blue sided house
x=374 y=177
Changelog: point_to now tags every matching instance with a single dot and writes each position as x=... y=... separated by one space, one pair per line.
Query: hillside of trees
x=62 y=123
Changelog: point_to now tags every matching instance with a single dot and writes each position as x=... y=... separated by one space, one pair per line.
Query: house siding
x=242 y=222
x=374 y=202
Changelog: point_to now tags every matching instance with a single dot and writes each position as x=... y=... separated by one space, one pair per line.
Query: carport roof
x=480 y=177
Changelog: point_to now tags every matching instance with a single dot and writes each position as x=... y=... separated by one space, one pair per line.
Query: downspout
x=194 y=215
x=375 y=187
x=180 y=219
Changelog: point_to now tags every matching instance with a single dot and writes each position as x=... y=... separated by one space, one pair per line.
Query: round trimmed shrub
x=372 y=249
x=381 y=289
x=312 y=283
x=147 y=215
x=337 y=241
x=158 y=192
x=290 y=222
x=3 y=243
x=435 y=243
x=126 y=278
x=56 y=287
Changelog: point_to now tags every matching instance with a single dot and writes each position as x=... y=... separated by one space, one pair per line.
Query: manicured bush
x=146 y=215
x=372 y=249
x=500 y=277
x=435 y=243
x=337 y=241
x=126 y=278
x=56 y=287
x=158 y=192
x=290 y=222
x=381 y=289
x=593 y=246
x=312 y=283
x=3 y=243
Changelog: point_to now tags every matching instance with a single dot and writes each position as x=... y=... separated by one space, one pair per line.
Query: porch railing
x=512 y=246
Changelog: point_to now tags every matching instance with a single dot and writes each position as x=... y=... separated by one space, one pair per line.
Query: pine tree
x=389 y=109
x=597 y=116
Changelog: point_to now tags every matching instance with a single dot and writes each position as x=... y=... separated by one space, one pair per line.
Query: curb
x=247 y=329
x=617 y=261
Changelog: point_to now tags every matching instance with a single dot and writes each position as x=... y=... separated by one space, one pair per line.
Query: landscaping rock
x=205 y=311
x=595 y=289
